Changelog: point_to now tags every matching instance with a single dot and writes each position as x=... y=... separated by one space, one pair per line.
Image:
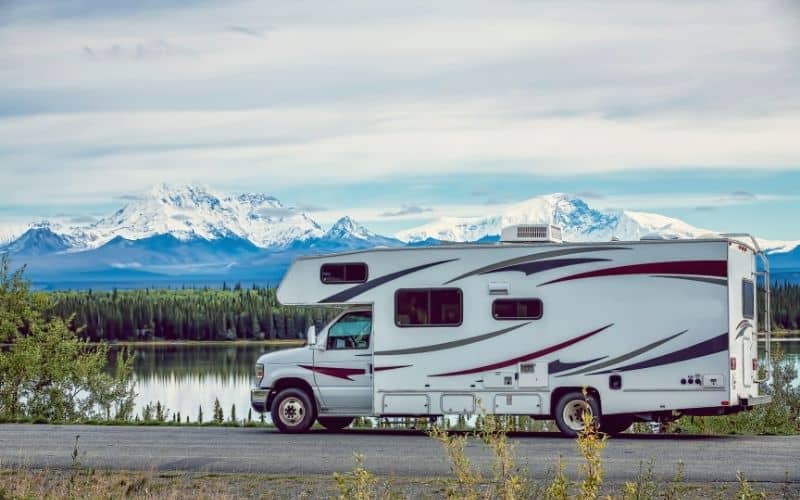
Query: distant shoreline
x=272 y=342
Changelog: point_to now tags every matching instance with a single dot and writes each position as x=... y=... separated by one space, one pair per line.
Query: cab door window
x=351 y=331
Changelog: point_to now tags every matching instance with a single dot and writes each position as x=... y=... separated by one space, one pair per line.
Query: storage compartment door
x=458 y=404
x=406 y=404
x=519 y=404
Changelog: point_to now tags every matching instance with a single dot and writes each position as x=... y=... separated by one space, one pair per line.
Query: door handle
x=370 y=367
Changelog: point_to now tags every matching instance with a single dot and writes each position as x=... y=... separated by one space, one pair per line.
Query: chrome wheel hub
x=573 y=414
x=291 y=411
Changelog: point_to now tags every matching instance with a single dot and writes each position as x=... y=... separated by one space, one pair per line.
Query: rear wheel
x=571 y=408
x=615 y=424
x=293 y=410
x=335 y=423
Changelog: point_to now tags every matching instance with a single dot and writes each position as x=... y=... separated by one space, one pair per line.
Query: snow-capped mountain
x=579 y=222
x=346 y=234
x=188 y=212
x=41 y=238
x=346 y=228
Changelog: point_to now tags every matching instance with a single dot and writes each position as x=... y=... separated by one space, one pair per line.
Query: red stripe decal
x=527 y=357
x=384 y=368
x=690 y=267
x=342 y=373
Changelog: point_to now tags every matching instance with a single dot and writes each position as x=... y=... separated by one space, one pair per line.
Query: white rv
x=652 y=329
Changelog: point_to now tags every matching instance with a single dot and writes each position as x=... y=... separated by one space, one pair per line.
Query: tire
x=615 y=424
x=293 y=411
x=335 y=423
x=569 y=410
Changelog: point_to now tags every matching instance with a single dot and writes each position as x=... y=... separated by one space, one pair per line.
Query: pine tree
x=219 y=417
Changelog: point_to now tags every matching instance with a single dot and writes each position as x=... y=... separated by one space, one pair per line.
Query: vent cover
x=522 y=233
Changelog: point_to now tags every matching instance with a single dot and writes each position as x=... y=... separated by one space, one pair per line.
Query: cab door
x=343 y=366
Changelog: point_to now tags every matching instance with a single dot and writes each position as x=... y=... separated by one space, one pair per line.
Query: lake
x=186 y=377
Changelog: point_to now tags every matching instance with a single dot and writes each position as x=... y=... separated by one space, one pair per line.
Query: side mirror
x=311 y=335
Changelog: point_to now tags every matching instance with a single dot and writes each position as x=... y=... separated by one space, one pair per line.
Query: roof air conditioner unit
x=525 y=233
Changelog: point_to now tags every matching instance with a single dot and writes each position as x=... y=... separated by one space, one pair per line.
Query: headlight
x=259 y=372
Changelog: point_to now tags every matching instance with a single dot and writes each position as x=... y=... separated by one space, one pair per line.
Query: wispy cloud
x=135 y=51
x=407 y=210
x=275 y=211
x=310 y=208
x=589 y=195
x=743 y=196
x=248 y=31
x=129 y=197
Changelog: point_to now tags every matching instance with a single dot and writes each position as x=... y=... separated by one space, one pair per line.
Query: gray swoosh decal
x=713 y=281
x=704 y=348
x=624 y=357
x=557 y=366
x=450 y=345
x=354 y=291
x=533 y=257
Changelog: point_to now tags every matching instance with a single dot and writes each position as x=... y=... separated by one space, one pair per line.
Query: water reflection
x=187 y=377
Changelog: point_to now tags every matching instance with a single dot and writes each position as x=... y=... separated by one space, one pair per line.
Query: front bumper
x=258 y=399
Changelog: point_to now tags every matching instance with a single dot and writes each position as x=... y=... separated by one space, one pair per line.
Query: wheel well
x=296 y=383
x=557 y=393
x=286 y=383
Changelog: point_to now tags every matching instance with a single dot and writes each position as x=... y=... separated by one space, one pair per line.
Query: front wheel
x=335 y=423
x=293 y=411
x=571 y=408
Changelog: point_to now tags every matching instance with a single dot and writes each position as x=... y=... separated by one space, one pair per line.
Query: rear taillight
x=259 y=372
x=733 y=363
x=755 y=364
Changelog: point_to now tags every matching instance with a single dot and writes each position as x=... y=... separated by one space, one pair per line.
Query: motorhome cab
x=652 y=329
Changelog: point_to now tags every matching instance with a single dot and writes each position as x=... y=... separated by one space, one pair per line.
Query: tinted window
x=344 y=273
x=517 y=309
x=748 y=299
x=428 y=307
x=351 y=331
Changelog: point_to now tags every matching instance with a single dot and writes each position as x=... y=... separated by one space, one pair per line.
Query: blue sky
x=401 y=112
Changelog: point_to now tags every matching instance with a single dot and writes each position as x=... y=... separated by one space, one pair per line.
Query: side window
x=517 y=309
x=428 y=307
x=351 y=331
x=350 y=272
x=748 y=299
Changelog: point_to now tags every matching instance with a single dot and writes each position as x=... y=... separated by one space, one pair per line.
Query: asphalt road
x=407 y=453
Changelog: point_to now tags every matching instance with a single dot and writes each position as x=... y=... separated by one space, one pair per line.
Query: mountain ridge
x=195 y=231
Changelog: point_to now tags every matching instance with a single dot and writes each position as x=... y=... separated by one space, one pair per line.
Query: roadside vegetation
x=504 y=477
x=48 y=373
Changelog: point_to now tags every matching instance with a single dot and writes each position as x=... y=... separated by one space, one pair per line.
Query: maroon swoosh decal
x=527 y=357
x=691 y=267
x=384 y=368
x=342 y=373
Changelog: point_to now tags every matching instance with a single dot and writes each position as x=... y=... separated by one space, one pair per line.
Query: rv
x=628 y=331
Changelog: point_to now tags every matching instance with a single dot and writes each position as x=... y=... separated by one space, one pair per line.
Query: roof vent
x=523 y=233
